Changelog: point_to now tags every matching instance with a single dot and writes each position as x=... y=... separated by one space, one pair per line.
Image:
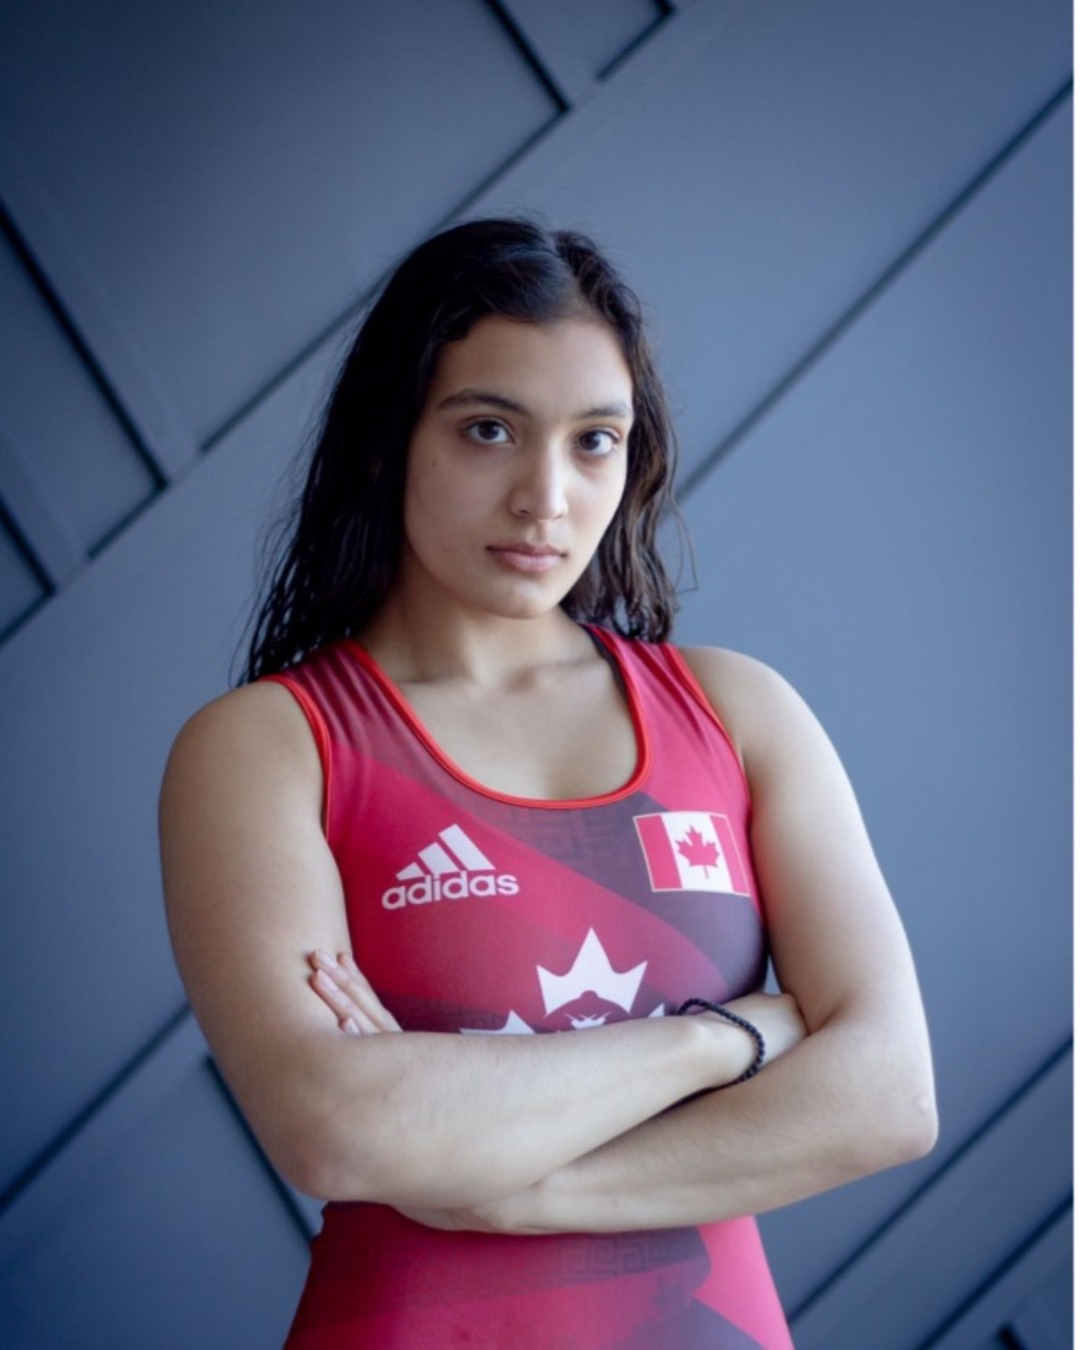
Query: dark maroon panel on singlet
x=477 y=913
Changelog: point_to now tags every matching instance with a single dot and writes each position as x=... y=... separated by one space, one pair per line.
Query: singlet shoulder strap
x=662 y=668
x=315 y=684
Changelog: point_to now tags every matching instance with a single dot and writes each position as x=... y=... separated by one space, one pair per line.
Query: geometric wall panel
x=153 y=1249
x=579 y=45
x=204 y=191
x=1000 y=1193
x=1044 y=1318
x=757 y=167
x=894 y=536
x=92 y=692
x=53 y=415
x=1030 y=1305
x=236 y=175
x=20 y=587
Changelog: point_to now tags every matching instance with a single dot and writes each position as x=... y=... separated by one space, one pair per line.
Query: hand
x=348 y=995
x=776 y=1016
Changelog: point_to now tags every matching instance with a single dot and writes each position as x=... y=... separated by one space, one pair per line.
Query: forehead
x=570 y=363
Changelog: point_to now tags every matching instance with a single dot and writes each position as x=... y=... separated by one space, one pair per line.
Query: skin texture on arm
x=412 y=1119
x=852 y=1098
x=856 y=1095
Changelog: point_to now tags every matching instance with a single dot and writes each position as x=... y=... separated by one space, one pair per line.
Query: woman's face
x=516 y=465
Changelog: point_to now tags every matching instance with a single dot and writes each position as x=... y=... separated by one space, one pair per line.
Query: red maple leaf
x=697 y=851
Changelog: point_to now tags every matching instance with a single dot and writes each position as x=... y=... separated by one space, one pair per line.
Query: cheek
x=425 y=486
x=439 y=506
x=435 y=479
x=420 y=517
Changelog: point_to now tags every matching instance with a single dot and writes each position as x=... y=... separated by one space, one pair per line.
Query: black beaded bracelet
x=735 y=1020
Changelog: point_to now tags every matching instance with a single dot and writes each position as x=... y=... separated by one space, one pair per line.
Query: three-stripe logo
x=450 y=868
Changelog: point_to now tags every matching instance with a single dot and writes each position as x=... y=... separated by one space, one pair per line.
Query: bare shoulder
x=733 y=674
x=243 y=851
x=761 y=711
x=258 y=729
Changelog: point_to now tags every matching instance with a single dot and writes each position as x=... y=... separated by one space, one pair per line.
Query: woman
x=467 y=765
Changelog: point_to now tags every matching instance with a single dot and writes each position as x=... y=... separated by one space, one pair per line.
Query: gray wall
x=851 y=221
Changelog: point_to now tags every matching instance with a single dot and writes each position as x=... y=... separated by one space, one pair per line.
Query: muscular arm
x=804 y=1125
x=407 y=1118
x=856 y=1095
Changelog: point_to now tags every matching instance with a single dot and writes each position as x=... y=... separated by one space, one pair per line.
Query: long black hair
x=340 y=556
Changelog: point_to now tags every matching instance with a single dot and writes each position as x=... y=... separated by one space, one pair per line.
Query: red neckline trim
x=644 y=748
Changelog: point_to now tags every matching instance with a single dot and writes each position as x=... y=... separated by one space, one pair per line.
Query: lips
x=525 y=557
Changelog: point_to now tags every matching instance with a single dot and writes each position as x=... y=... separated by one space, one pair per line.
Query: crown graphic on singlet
x=592 y=972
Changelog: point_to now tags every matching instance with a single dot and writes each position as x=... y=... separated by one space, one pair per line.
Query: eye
x=487 y=431
x=598 y=441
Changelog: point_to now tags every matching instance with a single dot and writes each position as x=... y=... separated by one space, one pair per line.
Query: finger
x=349 y=981
x=346 y=974
x=335 y=998
x=387 y=1018
x=343 y=1008
x=358 y=992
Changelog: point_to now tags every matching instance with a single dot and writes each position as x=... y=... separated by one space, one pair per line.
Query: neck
x=484 y=649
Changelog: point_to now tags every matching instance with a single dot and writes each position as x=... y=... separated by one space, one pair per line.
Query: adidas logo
x=449 y=869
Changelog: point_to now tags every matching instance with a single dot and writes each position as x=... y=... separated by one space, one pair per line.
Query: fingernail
x=323 y=958
x=350 y=1028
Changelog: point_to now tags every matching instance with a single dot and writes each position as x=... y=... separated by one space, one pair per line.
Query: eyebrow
x=465 y=398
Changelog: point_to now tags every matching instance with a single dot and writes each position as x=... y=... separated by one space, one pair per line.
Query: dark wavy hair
x=341 y=546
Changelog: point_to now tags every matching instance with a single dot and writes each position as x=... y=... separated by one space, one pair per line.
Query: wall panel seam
x=340 y=327
x=44 y=246
x=561 y=121
x=871 y=294
x=44 y=535
x=549 y=78
x=1015 y=1256
x=938 y=1178
x=81 y=347
x=43 y=1160
x=645 y=36
x=283 y=1191
x=10 y=526
x=170 y=462
x=1031 y=1084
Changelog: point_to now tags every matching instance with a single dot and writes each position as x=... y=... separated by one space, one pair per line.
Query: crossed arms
x=588 y=1131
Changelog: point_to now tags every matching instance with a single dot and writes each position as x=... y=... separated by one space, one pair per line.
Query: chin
x=524 y=610
x=525 y=606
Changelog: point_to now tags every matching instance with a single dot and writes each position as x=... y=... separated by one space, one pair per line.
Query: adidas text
x=455 y=886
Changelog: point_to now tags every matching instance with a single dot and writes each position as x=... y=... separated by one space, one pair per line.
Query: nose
x=539 y=492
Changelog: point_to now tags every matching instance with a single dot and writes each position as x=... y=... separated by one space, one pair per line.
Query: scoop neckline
x=608 y=644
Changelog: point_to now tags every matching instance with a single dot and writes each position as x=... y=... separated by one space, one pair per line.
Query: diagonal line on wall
x=547 y=77
x=60 y=1171
x=42 y=1160
x=665 y=11
x=940 y=1175
x=341 y=327
x=854 y=312
x=1008 y=1339
x=155 y=463
x=27 y=552
x=304 y=1220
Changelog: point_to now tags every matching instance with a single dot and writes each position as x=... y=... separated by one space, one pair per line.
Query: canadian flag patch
x=691 y=851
